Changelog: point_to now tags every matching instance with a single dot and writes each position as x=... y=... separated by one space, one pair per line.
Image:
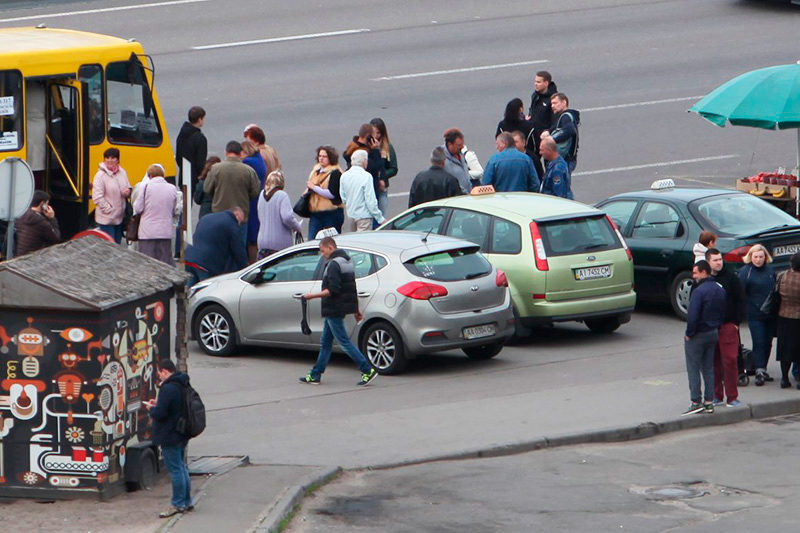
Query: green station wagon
x=564 y=261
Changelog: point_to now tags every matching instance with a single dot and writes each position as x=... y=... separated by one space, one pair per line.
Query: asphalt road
x=632 y=67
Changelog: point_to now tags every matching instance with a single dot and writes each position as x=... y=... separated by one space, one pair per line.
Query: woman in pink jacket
x=110 y=188
x=157 y=203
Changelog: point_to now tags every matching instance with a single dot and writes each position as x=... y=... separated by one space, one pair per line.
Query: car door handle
x=667 y=253
x=363 y=294
x=298 y=296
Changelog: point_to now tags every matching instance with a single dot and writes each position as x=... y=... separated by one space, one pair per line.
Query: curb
x=271 y=518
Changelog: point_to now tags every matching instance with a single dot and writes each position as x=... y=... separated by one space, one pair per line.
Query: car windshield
x=578 y=235
x=740 y=214
x=452 y=265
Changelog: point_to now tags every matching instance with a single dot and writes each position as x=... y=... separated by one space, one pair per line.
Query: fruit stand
x=777 y=188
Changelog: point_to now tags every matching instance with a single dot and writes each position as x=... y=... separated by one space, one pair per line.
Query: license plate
x=598 y=272
x=476 y=332
x=789 y=249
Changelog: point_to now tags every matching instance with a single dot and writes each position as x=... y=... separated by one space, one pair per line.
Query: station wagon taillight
x=621 y=238
x=737 y=254
x=538 y=248
x=420 y=290
x=501 y=279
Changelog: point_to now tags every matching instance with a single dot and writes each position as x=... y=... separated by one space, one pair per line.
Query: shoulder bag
x=303 y=206
x=772 y=303
x=132 y=228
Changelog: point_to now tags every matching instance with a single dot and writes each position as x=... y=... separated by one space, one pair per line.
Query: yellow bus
x=65 y=97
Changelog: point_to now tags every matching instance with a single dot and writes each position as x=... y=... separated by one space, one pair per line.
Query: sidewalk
x=257 y=498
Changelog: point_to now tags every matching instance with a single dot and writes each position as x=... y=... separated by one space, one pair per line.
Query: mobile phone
x=370 y=139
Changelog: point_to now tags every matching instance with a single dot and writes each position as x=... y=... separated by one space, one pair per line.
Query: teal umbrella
x=767 y=98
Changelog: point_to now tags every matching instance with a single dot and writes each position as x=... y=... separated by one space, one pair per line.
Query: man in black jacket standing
x=165 y=413
x=339 y=299
x=434 y=183
x=541 y=113
x=726 y=365
x=192 y=145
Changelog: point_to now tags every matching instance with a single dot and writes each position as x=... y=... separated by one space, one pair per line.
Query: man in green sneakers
x=339 y=299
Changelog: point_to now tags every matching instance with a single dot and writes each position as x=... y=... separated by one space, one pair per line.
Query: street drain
x=674 y=493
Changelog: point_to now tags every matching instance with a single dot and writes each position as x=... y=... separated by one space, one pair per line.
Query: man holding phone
x=37 y=228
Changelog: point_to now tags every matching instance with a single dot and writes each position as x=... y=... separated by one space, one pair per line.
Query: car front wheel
x=383 y=347
x=486 y=351
x=679 y=293
x=214 y=331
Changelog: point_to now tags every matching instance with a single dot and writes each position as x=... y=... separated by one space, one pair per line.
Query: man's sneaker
x=171 y=511
x=308 y=379
x=694 y=408
x=760 y=380
x=708 y=407
x=368 y=377
x=718 y=402
x=734 y=403
x=767 y=377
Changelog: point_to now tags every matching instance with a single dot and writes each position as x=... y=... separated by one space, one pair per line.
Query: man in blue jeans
x=706 y=312
x=339 y=299
x=165 y=413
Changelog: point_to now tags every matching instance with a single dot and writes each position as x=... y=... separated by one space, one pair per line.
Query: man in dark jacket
x=165 y=413
x=726 y=367
x=37 y=228
x=339 y=299
x=434 y=183
x=541 y=114
x=192 y=145
x=556 y=181
x=706 y=312
x=218 y=247
x=564 y=129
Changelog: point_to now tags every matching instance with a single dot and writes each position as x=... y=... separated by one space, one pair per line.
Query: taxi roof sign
x=480 y=190
x=660 y=185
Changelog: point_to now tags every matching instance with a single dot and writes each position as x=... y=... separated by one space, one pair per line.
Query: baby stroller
x=746 y=366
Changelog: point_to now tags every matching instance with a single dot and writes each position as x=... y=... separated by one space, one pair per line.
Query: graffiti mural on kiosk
x=71 y=392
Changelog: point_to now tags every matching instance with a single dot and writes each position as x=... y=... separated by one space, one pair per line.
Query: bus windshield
x=131 y=114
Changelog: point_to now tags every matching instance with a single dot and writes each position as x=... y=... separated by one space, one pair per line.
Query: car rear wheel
x=383 y=347
x=604 y=325
x=521 y=331
x=214 y=331
x=487 y=351
x=679 y=293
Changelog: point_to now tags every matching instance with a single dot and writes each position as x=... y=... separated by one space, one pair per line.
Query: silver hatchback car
x=418 y=294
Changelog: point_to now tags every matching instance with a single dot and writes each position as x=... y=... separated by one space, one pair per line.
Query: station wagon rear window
x=578 y=235
x=739 y=214
x=452 y=265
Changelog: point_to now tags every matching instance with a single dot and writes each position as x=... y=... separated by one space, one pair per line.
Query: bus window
x=131 y=114
x=92 y=75
x=10 y=110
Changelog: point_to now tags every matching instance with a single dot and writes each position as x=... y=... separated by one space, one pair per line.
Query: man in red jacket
x=37 y=228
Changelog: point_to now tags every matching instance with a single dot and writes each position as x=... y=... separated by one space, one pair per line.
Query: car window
x=366 y=263
x=578 y=235
x=506 y=237
x=656 y=221
x=299 y=266
x=425 y=220
x=738 y=214
x=620 y=212
x=468 y=225
x=453 y=265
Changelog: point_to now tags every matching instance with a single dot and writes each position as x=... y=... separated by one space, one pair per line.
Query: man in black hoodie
x=564 y=129
x=192 y=145
x=726 y=367
x=339 y=299
x=541 y=112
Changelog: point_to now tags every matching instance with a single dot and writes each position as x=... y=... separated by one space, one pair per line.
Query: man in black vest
x=339 y=299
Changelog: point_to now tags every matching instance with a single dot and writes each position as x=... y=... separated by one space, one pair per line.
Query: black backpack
x=192 y=421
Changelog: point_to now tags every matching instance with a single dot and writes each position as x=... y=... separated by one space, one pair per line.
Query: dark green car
x=662 y=225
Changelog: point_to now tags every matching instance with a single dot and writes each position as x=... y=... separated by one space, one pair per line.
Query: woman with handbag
x=788 y=352
x=110 y=190
x=276 y=216
x=758 y=279
x=324 y=202
x=155 y=206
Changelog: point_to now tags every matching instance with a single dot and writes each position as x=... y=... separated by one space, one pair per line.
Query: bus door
x=67 y=154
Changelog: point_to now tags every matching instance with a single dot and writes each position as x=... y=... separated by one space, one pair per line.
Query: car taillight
x=501 y=279
x=621 y=238
x=737 y=254
x=419 y=290
x=538 y=248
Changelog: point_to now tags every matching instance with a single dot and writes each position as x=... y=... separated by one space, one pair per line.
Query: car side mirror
x=252 y=277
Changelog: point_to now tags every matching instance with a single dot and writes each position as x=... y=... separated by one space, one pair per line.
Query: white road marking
x=653 y=165
x=280 y=39
x=639 y=104
x=636 y=167
x=103 y=10
x=459 y=70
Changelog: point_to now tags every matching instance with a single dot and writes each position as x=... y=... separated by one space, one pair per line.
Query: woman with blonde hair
x=758 y=278
x=157 y=204
x=276 y=217
x=389 y=163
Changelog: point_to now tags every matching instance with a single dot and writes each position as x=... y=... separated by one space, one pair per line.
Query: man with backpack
x=564 y=129
x=166 y=413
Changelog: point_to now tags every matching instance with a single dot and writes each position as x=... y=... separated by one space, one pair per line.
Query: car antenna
x=425 y=238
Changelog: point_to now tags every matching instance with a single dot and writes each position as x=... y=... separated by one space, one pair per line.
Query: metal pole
x=10 y=236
